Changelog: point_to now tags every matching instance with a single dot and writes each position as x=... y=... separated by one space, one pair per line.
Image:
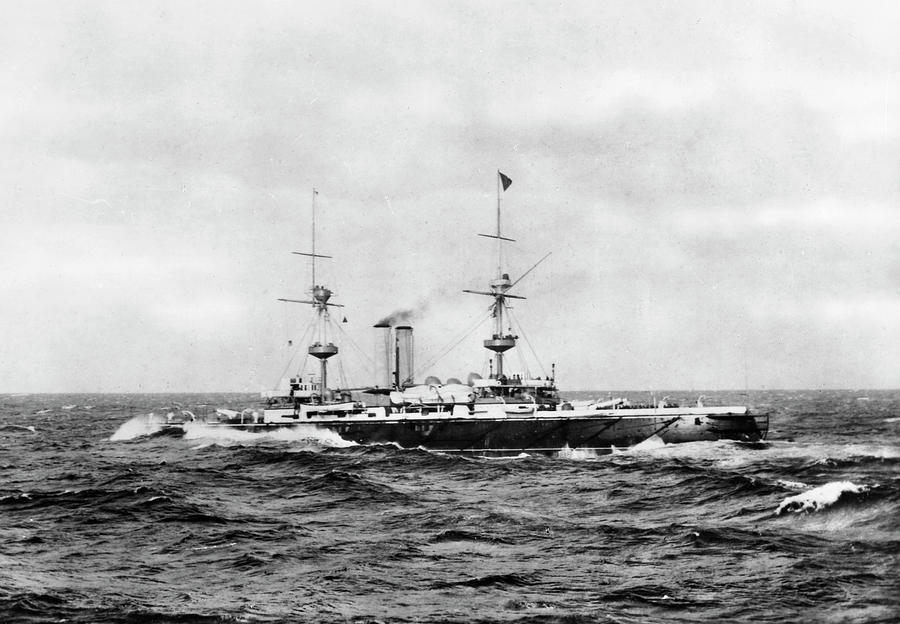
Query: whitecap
x=214 y=546
x=650 y=444
x=791 y=485
x=137 y=427
x=576 y=453
x=818 y=498
x=224 y=435
x=19 y=428
x=501 y=457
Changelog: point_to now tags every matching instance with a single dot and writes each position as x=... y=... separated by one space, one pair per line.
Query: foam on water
x=144 y=425
x=652 y=443
x=576 y=454
x=490 y=458
x=847 y=451
x=818 y=498
x=298 y=433
x=730 y=455
x=791 y=485
x=871 y=523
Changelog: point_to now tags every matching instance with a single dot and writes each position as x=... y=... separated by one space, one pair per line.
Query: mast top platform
x=321 y=295
x=322 y=351
x=501 y=284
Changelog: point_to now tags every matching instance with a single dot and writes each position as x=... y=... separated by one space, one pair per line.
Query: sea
x=105 y=519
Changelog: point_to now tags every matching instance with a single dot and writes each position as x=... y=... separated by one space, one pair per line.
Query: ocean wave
x=18 y=428
x=459 y=535
x=307 y=435
x=837 y=452
x=137 y=427
x=521 y=456
x=722 y=451
x=577 y=454
x=511 y=579
x=32 y=604
x=820 y=498
x=248 y=562
x=652 y=443
x=732 y=539
x=70 y=607
x=791 y=485
x=712 y=487
x=351 y=485
x=274 y=533
x=657 y=595
x=90 y=503
x=518 y=604
x=793 y=458
x=70 y=499
x=152 y=424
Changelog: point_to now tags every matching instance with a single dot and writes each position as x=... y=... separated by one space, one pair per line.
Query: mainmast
x=498 y=342
x=320 y=348
x=499 y=239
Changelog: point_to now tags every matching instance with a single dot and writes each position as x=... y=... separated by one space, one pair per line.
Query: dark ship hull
x=549 y=436
x=546 y=433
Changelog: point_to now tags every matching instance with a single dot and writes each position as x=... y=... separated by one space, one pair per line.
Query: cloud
x=712 y=180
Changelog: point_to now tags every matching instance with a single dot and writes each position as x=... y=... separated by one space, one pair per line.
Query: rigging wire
x=353 y=344
x=527 y=341
x=310 y=327
x=454 y=343
x=341 y=375
x=337 y=329
x=523 y=364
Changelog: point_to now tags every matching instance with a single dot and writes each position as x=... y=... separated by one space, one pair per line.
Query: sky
x=718 y=185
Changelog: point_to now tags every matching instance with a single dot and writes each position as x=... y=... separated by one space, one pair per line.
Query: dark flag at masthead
x=505 y=181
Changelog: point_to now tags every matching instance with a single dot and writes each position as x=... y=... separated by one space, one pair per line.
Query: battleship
x=502 y=413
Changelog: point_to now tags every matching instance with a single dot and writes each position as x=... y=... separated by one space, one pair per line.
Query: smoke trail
x=402 y=316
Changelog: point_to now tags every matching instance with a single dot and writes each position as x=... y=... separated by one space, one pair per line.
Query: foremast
x=320 y=347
